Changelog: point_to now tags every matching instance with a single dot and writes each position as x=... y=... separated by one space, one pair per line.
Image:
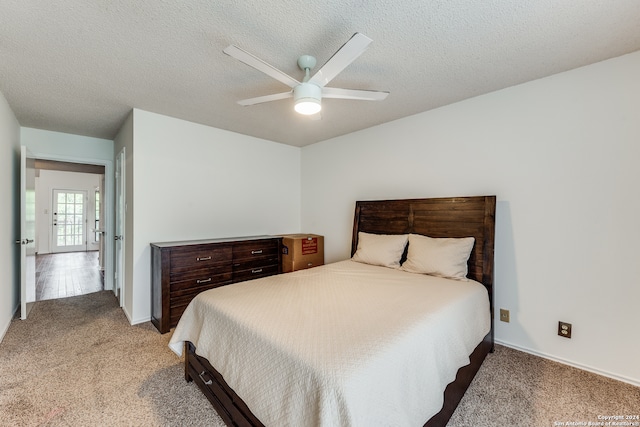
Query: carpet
x=77 y=362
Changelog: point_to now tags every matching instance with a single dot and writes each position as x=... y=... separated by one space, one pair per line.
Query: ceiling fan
x=308 y=93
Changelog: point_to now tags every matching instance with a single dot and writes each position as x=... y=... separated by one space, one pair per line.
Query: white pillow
x=380 y=249
x=443 y=257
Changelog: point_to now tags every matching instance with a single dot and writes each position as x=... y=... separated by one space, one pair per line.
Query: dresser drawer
x=258 y=262
x=199 y=273
x=255 y=250
x=175 y=313
x=183 y=298
x=180 y=299
x=199 y=279
x=186 y=259
x=255 y=273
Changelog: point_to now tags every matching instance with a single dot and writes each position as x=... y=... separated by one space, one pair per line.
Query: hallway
x=67 y=274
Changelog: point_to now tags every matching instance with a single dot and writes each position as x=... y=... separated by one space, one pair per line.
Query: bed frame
x=438 y=217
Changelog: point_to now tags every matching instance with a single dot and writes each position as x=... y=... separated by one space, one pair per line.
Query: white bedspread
x=346 y=344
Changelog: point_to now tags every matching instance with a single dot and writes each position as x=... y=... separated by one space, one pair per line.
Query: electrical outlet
x=504 y=315
x=564 y=329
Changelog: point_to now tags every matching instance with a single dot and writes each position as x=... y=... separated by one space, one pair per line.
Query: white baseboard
x=136 y=321
x=631 y=381
x=126 y=313
x=5 y=328
x=143 y=320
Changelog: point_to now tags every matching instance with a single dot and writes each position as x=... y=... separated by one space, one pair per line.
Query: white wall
x=9 y=214
x=65 y=146
x=46 y=182
x=561 y=154
x=193 y=182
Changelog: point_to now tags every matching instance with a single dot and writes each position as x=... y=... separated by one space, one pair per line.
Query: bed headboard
x=438 y=217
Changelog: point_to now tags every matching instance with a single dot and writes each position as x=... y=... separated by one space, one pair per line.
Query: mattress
x=345 y=344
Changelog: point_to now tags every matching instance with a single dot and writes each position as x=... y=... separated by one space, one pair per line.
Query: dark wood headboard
x=438 y=217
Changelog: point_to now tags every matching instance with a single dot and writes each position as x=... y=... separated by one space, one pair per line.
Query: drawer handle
x=203 y=258
x=256 y=271
x=256 y=252
x=201 y=375
x=203 y=281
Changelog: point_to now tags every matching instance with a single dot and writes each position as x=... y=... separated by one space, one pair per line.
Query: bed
x=365 y=369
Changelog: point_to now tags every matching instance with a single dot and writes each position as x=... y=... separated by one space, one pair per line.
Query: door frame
x=119 y=230
x=109 y=209
x=27 y=239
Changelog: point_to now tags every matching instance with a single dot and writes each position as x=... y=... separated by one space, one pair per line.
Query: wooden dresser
x=181 y=270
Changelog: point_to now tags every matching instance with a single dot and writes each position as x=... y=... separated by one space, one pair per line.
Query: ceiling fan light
x=307 y=97
x=308 y=106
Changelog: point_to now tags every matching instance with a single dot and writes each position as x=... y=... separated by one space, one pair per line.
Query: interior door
x=69 y=221
x=120 y=220
x=27 y=232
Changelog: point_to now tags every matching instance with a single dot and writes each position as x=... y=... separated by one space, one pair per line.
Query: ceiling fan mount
x=308 y=93
x=306 y=63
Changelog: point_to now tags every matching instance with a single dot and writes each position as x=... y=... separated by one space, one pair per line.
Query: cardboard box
x=300 y=251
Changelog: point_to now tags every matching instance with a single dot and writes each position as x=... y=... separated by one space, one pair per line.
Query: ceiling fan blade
x=257 y=63
x=266 y=98
x=349 y=51
x=360 y=95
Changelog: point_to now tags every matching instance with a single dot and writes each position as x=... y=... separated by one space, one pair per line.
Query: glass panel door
x=69 y=221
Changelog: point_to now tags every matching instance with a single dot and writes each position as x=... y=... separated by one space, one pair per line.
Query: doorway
x=70 y=257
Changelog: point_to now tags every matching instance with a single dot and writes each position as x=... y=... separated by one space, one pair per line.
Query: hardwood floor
x=67 y=274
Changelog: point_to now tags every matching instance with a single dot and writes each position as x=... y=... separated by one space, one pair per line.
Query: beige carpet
x=514 y=388
x=77 y=362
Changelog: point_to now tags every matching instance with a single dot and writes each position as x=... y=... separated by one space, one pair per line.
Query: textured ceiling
x=80 y=66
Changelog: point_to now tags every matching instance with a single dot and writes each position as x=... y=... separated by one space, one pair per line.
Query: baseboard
x=631 y=381
x=136 y=321
x=143 y=320
x=127 y=315
x=130 y=318
x=5 y=328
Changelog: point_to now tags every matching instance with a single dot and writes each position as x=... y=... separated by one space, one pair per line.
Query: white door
x=120 y=220
x=27 y=232
x=69 y=221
